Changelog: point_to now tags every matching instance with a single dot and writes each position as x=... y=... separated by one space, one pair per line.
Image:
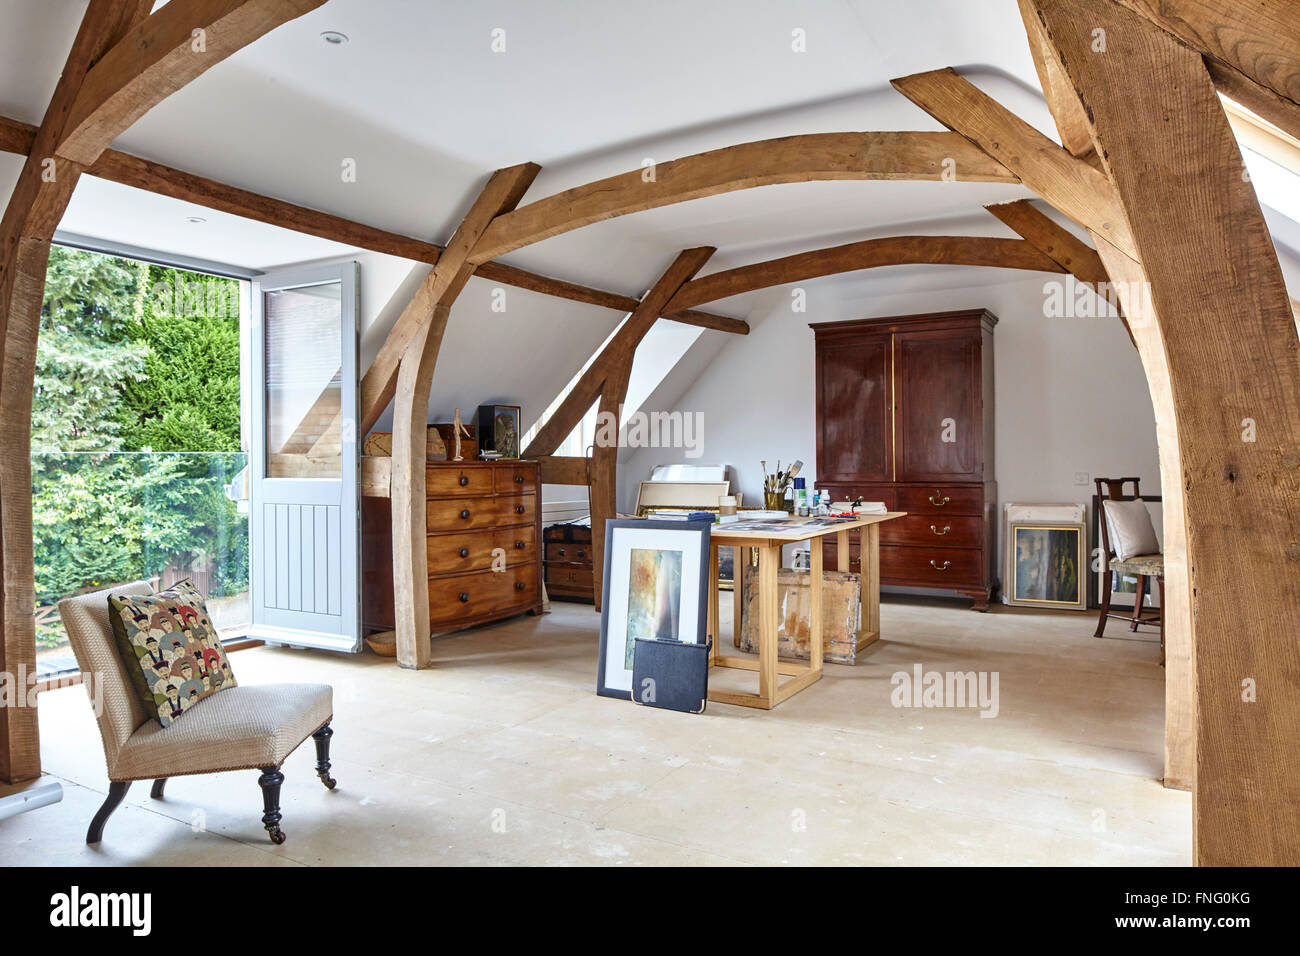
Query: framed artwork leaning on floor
x=655 y=586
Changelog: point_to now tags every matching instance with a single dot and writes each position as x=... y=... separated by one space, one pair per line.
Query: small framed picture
x=1047 y=565
x=499 y=430
x=655 y=586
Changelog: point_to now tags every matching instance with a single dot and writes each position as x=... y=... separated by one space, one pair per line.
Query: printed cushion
x=170 y=649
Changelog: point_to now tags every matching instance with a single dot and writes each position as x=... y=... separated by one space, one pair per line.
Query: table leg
x=713 y=601
x=869 y=567
x=769 y=559
x=816 y=639
x=842 y=551
x=739 y=562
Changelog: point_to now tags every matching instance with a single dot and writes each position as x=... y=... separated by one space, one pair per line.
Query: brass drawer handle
x=946 y=529
x=464 y=513
x=464 y=552
x=464 y=480
x=939 y=504
x=939 y=568
x=464 y=597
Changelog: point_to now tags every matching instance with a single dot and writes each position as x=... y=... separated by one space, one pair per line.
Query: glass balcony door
x=304 y=510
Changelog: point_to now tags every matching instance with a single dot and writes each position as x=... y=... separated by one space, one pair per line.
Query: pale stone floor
x=503 y=754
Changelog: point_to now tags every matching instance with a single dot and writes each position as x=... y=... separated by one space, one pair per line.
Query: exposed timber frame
x=1213 y=324
x=123 y=62
x=1218 y=304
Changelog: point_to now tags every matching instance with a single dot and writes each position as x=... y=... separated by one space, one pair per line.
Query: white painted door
x=304 y=509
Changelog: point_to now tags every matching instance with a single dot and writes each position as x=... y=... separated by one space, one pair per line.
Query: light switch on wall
x=1082 y=478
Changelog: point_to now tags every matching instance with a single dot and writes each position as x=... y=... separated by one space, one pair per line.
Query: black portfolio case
x=671 y=674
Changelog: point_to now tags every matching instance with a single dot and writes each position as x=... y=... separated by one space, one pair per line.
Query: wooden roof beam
x=789 y=159
x=158 y=56
x=440 y=286
x=1071 y=184
x=1251 y=49
x=868 y=254
x=620 y=348
x=128 y=170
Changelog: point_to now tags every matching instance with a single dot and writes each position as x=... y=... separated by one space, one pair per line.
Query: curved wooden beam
x=159 y=56
x=1217 y=297
x=868 y=254
x=789 y=159
x=1070 y=184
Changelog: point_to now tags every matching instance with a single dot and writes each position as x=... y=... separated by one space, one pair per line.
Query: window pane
x=304 y=385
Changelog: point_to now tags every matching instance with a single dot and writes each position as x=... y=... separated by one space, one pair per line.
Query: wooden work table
x=768 y=544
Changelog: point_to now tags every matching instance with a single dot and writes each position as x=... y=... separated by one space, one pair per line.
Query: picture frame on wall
x=499 y=429
x=1047 y=565
x=1123 y=587
x=655 y=586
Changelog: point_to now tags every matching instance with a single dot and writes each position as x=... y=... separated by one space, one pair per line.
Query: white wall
x=1070 y=396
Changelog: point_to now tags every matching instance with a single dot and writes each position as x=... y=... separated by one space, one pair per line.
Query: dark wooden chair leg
x=1107 y=582
x=322 y=738
x=116 y=794
x=1138 y=599
x=158 y=785
x=270 y=782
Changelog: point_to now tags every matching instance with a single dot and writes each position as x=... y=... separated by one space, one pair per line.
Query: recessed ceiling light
x=334 y=37
x=195 y=219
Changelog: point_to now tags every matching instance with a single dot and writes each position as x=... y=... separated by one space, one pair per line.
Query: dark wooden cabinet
x=905 y=416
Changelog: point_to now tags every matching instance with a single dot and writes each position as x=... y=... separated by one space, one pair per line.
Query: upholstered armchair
x=240 y=728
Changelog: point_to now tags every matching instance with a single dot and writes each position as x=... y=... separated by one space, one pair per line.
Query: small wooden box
x=841 y=608
x=570 y=573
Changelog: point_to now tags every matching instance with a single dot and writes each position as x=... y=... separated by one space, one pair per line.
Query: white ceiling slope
x=425 y=108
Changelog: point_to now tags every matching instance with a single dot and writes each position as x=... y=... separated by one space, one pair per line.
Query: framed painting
x=1123 y=586
x=655 y=586
x=1047 y=565
x=499 y=429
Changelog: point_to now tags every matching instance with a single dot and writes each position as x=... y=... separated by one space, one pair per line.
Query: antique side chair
x=241 y=728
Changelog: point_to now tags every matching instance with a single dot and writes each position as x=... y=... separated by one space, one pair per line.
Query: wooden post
x=119 y=47
x=1218 y=298
x=420 y=338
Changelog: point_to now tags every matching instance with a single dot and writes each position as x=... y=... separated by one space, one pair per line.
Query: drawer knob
x=464 y=480
x=519 y=509
x=937 y=503
x=946 y=529
x=519 y=479
x=464 y=552
x=464 y=597
x=464 y=513
x=519 y=585
x=582 y=554
x=561 y=552
x=521 y=545
x=940 y=567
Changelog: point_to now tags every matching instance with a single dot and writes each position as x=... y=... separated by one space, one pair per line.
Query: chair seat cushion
x=239 y=729
x=1152 y=565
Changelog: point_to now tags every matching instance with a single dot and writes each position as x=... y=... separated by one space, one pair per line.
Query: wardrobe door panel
x=940 y=429
x=853 y=413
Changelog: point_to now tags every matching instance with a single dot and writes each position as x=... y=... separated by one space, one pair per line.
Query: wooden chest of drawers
x=483 y=523
x=570 y=574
